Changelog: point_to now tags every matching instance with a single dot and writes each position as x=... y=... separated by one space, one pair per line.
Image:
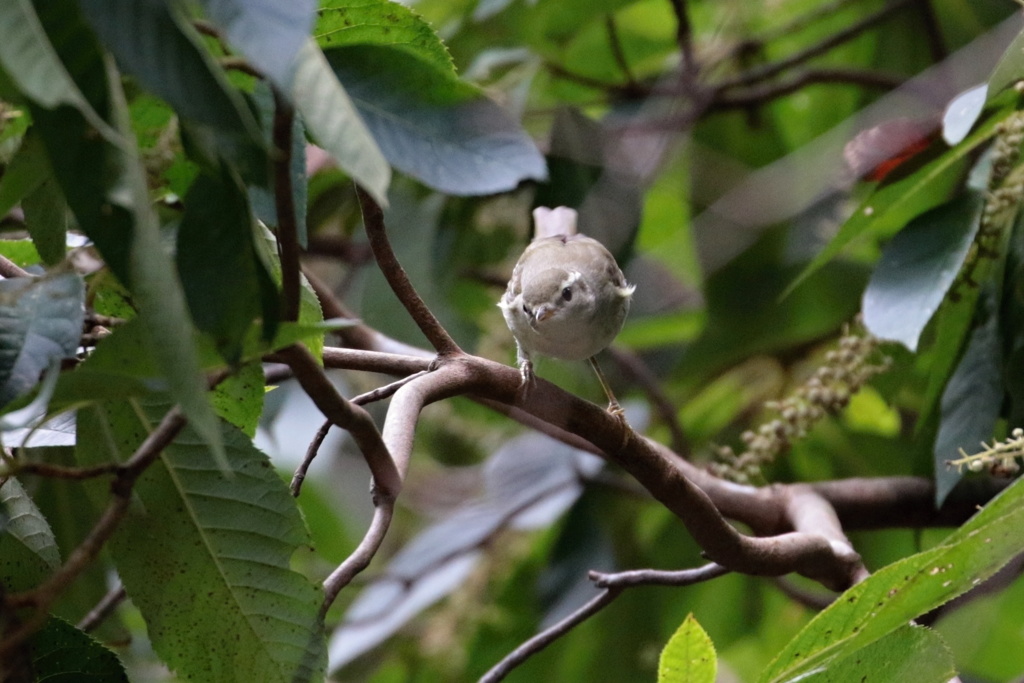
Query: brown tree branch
x=616 y=585
x=9 y=268
x=103 y=609
x=768 y=71
x=657 y=577
x=373 y=219
x=284 y=202
x=353 y=419
x=44 y=595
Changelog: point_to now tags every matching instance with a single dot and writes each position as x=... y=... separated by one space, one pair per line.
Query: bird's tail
x=552 y=222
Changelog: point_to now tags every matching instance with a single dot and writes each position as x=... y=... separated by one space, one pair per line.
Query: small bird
x=567 y=298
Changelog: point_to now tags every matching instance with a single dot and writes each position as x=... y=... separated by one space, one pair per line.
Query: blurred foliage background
x=755 y=167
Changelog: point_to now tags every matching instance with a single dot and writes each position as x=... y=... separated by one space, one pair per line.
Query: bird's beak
x=543 y=313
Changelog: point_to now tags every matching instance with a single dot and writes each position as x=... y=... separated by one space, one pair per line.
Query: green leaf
x=31 y=61
x=380 y=22
x=40 y=322
x=331 y=118
x=689 y=656
x=971 y=402
x=910 y=653
x=239 y=398
x=158 y=292
x=61 y=652
x=217 y=261
x=269 y=33
x=892 y=206
x=904 y=590
x=917 y=268
x=25 y=172
x=46 y=217
x=434 y=127
x=1009 y=69
x=205 y=554
x=152 y=42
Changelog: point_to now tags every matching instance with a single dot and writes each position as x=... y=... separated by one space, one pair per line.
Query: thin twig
x=9 y=268
x=351 y=418
x=44 y=469
x=373 y=219
x=754 y=96
x=540 y=641
x=284 y=201
x=768 y=71
x=657 y=577
x=314 y=447
x=616 y=47
x=104 y=608
x=386 y=391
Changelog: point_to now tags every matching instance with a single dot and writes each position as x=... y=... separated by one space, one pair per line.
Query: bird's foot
x=529 y=380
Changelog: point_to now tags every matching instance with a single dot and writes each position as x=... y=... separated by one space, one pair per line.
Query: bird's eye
x=567 y=294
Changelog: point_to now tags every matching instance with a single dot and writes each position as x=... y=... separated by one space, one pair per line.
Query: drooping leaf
x=917 y=268
x=270 y=34
x=379 y=22
x=30 y=60
x=152 y=42
x=28 y=550
x=217 y=261
x=40 y=322
x=910 y=653
x=434 y=127
x=205 y=554
x=971 y=402
x=46 y=217
x=239 y=398
x=689 y=656
x=335 y=124
x=908 y=588
x=25 y=172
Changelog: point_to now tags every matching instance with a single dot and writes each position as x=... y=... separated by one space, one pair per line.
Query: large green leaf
x=908 y=588
x=269 y=33
x=379 y=22
x=205 y=554
x=62 y=654
x=910 y=653
x=331 y=118
x=689 y=656
x=152 y=42
x=434 y=127
x=917 y=268
x=47 y=219
x=40 y=322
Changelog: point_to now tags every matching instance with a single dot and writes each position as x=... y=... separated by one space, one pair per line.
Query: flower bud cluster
x=1000 y=458
x=846 y=369
x=1005 y=192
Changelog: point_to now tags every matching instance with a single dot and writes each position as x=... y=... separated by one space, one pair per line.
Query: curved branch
x=284 y=202
x=657 y=577
x=360 y=558
x=373 y=219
